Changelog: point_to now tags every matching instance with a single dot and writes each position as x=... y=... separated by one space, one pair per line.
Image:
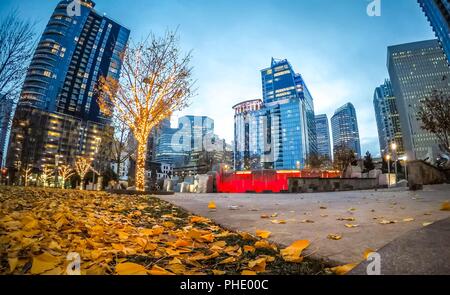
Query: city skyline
x=319 y=54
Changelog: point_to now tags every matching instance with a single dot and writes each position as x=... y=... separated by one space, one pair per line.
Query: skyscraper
x=248 y=129
x=58 y=115
x=278 y=132
x=344 y=126
x=416 y=69
x=291 y=116
x=438 y=14
x=6 y=108
x=323 y=136
x=388 y=121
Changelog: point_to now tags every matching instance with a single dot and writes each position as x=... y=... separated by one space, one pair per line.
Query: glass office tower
x=344 y=126
x=388 y=120
x=416 y=70
x=323 y=136
x=438 y=14
x=58 y=115
x=291 y=119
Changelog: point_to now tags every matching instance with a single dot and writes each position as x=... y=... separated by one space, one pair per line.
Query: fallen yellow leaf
x=294 y=251
x=367 y=253
x=279 y=221
x=335 y=237
x=228 y=260
x=159 y=271
x=258 y=265
x=343 y=269
x=129 y=268
x=44 y=262
x=248 y=248
x=445 y=206
x=248 y=273
x=212 y=205
x=12 y=263
x=263 y=234
x=384 y=221
x=199 y=219
x=408 y=219
x=218 y=272
x=346 y=219
x=351 y=225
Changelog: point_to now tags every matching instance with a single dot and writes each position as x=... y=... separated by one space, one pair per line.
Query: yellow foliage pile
x=128 y=235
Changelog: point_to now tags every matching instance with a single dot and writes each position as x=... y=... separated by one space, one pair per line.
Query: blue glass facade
x=72 y=54
x=438 y=14
x=58 y=101
x=323 y=136
x=279 y=131
x=387 y=117
x=291 y=119
x=344 y=126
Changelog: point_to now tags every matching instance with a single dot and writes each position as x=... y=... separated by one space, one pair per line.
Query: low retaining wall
x=421 y=173
x=305 y=185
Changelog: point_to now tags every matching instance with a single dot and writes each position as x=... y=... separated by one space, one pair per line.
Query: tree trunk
x=140 y=165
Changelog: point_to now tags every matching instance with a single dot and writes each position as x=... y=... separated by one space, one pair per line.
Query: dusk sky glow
x=339 y=50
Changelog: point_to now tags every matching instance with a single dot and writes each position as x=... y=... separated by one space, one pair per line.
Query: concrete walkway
x=425 y=251
x=314 y=216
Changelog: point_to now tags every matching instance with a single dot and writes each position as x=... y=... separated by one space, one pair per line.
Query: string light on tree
x=65 y=172
x=155 y=81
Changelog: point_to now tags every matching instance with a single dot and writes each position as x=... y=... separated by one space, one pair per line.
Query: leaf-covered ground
x=129 y=235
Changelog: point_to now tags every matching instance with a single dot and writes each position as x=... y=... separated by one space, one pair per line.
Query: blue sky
x=339 y=50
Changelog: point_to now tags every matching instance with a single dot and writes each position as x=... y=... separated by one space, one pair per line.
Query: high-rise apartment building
x=323 y=136
x=416 y=70
x=388 y=120
x=58 y=117
x=438 y=14
x=344 y=126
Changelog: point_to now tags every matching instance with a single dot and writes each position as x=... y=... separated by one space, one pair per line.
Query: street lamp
x=405 y=158
x=388 y=158
x=394 y=151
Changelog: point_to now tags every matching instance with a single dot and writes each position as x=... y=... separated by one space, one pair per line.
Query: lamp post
x=388 y=158
x=405 y=158
x=394 y=152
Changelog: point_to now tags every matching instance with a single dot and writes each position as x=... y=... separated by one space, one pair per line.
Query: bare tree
x=122 y=147
x=65 y=172
x=82 y=167
x=434 y=113
x=155 y=81
x=47 y=174
x=16 y=49
x=343 y=156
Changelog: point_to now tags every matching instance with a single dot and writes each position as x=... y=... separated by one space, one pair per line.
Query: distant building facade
x=416 y=70
x=388 y=120
x=191 y=146
x=323 y=136
x=57 y=114
x=438 y=14
x=344 y=126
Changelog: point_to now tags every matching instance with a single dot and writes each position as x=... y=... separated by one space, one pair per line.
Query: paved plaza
x=315 y=216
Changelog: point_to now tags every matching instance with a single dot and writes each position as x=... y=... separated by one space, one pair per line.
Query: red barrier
x=264 y=180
